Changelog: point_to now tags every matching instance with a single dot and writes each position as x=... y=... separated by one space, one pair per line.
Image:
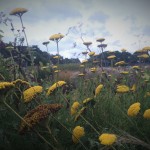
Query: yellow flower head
x=81 y=74
x=56 y=37
x=84 y=61
x=133 y=89
x=122 y=89
x=82 y=66
x=146 y=114
x=119 y=63
x=57 y=71
x=107 y=139
x=18 y=11
x=54 y=67
x=98 y=89
x=10 y=48
x=147 y=48
x=143 y=56
x=139 y=51
x=111 y=57
x=124 y=72
x=74 y=107
x=91 y=53
x=56 y=57
x=93 y=69
x=134 y=109
x=100 y=40
x=4 y=85
x=135 y=67
x=77 y=133
x=31 y=92
x=44 y=67
x=55 y=86
x=87 y=43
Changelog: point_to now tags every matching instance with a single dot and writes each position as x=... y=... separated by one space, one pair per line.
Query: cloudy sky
x=123 y=23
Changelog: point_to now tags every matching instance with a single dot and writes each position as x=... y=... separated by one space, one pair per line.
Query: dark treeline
x=20 y=53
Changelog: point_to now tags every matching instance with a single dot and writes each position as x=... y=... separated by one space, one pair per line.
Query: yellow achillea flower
x=122 y=89
x=146 y=114
x=98 y=89
x=56 y=57
x=56 y=37
x=119 y=63
x=81 y=74
x=135 y=67
x=134 y=109
x=31 y=92
x=143 y=56
x=107 y=139
x=91 y=53
x=84 y=61
x=10 y=48
x=54 y=86
x=54 y=67
x=82 y=66
x=87 y=43
x=17 y=11
x=44 y=67
x=93 y=69
x=4 y=85
x=133 y=89
x=74 y=107
x=57 y=71
x=100 y=40
x=111 y=57
x=78 y=132
x=147 y=48
x=124 y=72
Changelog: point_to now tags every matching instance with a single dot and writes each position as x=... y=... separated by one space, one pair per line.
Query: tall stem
x=31 y=57
x=57 y=51
x=23 y=30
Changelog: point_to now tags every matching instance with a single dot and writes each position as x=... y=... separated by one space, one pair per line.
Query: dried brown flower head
x=37 y=114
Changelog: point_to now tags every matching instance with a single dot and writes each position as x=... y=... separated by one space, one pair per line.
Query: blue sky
x=123 y=23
